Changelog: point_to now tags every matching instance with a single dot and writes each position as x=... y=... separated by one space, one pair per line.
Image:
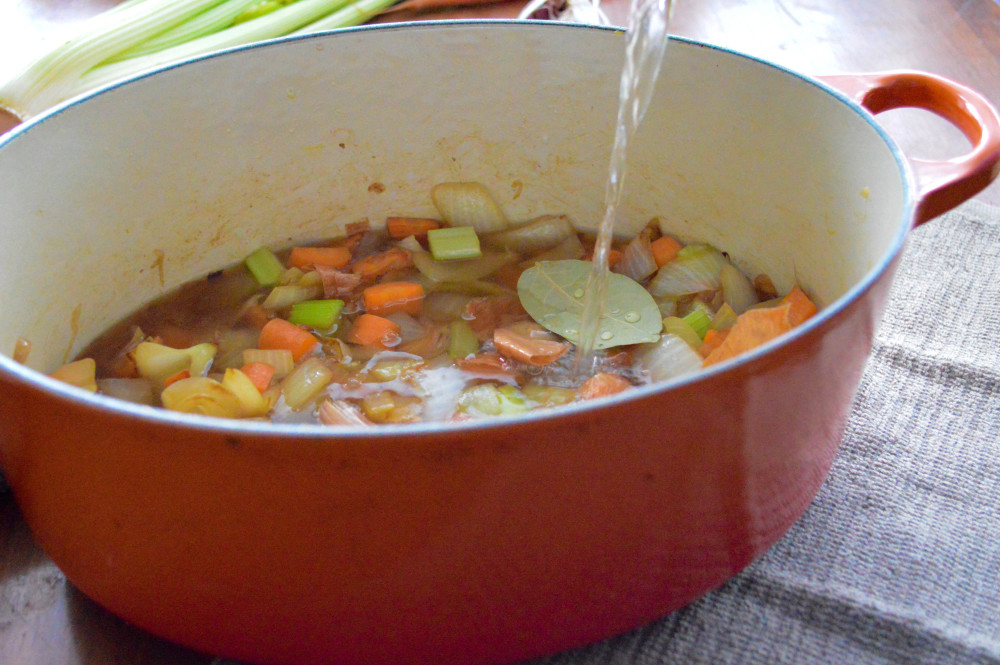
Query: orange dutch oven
x=461 y=543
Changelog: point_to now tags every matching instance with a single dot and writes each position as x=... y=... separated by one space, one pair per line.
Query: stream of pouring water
x=645 y=42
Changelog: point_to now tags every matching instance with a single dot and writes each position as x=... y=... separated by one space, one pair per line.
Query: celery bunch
x=139 y=35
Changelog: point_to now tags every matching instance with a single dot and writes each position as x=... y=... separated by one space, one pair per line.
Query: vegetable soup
x=458 y=317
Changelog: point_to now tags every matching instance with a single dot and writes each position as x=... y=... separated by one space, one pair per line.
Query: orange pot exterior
x=461 y=546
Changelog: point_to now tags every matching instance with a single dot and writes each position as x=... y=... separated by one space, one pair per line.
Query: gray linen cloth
x=898 y=558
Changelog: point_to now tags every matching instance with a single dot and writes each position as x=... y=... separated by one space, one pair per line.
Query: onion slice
x=468 y=204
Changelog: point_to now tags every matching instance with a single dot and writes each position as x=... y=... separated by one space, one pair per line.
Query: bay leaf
x=552 y=292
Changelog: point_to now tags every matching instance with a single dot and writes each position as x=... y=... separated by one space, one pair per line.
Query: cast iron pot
x=461 y=543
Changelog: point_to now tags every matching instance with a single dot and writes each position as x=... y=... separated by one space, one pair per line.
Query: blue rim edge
x=324 y=432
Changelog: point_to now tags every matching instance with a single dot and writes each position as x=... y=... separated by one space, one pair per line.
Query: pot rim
x=36 y=380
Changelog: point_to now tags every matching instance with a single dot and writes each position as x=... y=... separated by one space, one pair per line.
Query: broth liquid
x=646 y=40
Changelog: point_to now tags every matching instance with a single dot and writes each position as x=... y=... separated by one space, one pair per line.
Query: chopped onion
x=637 y=260
x=668 y=358
x=280 y=359
x=695 y=269
x=445 y=306
x=138 y=391
x=409 y=328
x=456 y=271
x=341 y=412
x=534 y=236
x=570 y=248
x=737 y=290
x=468 y=204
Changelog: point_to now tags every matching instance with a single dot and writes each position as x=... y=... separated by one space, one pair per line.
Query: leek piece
x=258 y=9
x=201 y=356
x=157 y=362
x=251 y=401
x=265 y=267
x=463 y=342
x=80 y=373
x=487 y=399
x=305 y=382
x=549 y=395
x=699 y=320
x=454 y=242
x=203 y=396
x=320 y=315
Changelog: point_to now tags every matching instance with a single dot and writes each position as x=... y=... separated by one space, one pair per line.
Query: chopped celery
x=680 y=328
x=287 y=295
x=265 y=267
x=699 y=320
x=463 y=342
x=454 y=242
x=317 y=314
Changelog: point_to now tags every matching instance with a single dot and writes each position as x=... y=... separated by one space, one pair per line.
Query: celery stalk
x=265 y=267
x=317 y=314
x=454 y=242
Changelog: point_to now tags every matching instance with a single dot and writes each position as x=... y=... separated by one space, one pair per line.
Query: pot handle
x=944 y=184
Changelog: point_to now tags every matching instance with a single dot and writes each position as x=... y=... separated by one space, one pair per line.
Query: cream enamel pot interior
x=465 y=543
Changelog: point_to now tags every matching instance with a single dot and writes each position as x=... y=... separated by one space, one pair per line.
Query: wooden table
x=44 y=621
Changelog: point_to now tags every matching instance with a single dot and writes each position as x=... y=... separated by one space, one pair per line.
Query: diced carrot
x=800 y=306
x=280 y=334
x=665 y=250
x=373 y=330
x=602 y=384
x=530 y=343
x=378 y=264
x=753 y=328
x=333 y=257
x=713 y=340
x=487 y=363
x=403 y=227
x=183 y=374
x=260 y=374
x=388 y=297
